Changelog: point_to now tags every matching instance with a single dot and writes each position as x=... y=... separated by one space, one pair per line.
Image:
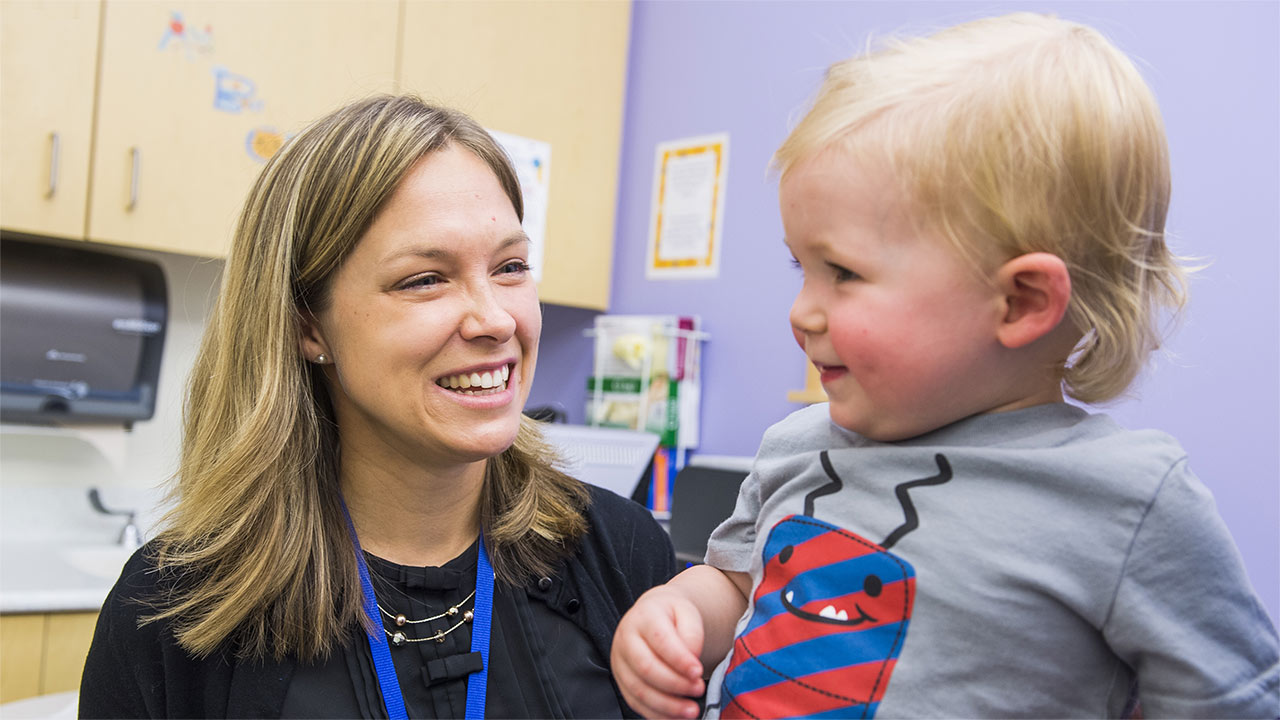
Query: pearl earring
x=322 y=359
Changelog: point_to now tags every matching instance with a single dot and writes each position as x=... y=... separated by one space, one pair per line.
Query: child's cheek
x=858 y=347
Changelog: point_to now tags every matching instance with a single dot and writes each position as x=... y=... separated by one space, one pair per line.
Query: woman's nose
x=486 y=316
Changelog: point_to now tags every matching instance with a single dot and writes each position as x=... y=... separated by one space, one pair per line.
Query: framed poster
x=687 y=211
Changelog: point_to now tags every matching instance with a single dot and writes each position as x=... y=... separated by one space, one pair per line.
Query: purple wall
x=564 y=361
x=746 y=67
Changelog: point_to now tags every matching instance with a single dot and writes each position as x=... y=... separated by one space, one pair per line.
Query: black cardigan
x=136 y=671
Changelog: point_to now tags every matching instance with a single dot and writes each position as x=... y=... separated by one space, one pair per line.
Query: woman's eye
x=515 y=266
x=422 y=281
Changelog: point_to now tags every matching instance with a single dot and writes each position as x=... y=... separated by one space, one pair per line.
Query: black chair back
x=702 y=498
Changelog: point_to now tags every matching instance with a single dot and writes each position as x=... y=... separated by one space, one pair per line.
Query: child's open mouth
x=488 y=382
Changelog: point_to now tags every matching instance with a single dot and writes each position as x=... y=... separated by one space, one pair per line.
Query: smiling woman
x=443 y=269
x=365 y=523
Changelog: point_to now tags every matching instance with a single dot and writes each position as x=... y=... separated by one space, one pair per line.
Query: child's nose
x=807 y=317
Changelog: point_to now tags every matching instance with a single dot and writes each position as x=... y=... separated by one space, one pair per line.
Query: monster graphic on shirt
x=830 y=616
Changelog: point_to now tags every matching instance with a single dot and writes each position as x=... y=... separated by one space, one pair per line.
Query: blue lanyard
x=385 y=669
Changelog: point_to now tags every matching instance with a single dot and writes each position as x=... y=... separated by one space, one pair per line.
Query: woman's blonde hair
x=1018 y=134
x=256 y=551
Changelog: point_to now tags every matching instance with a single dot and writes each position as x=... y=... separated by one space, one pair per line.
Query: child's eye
x=795 y=263
x=843 y=274
x=513 y=267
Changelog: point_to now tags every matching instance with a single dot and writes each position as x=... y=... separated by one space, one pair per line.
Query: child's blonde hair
x=1019 y=134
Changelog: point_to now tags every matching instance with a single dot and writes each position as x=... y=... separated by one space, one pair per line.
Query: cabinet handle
x=135 y=163
x=55 y=151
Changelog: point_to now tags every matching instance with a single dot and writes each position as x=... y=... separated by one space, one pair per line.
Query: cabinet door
x=552 y=71
x=21 y=643
x=194 y=96
x=48 y=55
x=67 y=637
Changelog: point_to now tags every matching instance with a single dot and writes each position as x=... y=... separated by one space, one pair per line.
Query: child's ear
x=1036 y=289
x=310 y=339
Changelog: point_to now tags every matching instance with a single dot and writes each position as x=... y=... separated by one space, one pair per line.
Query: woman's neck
x=413 y=516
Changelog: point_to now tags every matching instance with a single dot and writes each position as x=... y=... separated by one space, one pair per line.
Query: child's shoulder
x=1057 y=433
x=807 y=429
x=1093 y=435
x=1085 y=452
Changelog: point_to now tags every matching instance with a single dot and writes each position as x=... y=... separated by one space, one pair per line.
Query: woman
x=360 y=502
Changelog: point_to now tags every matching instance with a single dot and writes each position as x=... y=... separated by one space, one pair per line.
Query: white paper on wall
x=532 y=161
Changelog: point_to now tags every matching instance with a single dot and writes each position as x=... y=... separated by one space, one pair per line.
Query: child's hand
x=655 y=655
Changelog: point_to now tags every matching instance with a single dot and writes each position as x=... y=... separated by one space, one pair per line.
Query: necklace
x=398 y=638
x=400 y=619
x=384 y=669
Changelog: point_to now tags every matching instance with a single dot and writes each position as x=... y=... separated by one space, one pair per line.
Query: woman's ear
x=1036 y=289
x=310 y=338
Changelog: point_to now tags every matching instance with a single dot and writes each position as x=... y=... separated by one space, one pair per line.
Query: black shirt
x=141 y=671
x=541 y=664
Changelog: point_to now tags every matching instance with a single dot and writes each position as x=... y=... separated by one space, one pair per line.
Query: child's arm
x=671 y=634
x=1186 y=617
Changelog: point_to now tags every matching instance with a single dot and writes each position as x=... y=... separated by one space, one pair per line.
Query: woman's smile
x=478 y=381
x=481 y=388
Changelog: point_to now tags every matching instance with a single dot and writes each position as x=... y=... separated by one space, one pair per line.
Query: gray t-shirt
x=1032 y=563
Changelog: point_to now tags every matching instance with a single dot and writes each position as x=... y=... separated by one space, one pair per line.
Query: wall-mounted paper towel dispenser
x=81 y=333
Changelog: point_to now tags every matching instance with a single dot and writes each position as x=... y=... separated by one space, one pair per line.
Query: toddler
x=979 y=219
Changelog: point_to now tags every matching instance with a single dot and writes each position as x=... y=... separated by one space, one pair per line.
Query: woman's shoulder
x=136 y=666
x=139 y=583
x=120 y=673
x=624 y=535
x=609 y=512
x=142 y=592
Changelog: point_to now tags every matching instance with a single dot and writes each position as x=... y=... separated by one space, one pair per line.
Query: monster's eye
x=785 y=554
x=872 y=586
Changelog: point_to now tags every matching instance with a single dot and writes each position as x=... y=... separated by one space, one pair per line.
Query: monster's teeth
x=830 y=612
x=791 y=596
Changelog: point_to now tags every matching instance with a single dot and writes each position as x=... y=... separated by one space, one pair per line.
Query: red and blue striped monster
x=830 y=617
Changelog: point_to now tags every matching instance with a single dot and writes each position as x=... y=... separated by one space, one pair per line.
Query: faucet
x=130 y=536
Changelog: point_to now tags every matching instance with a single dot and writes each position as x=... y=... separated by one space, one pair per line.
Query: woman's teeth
x=485 y=383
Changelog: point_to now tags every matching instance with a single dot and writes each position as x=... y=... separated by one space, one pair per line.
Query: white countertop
x=50 y=577
x=57 y=705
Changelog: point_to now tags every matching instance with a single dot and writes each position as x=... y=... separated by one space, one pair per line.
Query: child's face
x=901 y=328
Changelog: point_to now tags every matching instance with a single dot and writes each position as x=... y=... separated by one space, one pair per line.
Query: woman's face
x=433 y=321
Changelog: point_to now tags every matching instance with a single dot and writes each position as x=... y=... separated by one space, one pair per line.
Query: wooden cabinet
x=48 y=57
x=551 y=71
x=21 y=646
x=193 y=96
x=43 y=653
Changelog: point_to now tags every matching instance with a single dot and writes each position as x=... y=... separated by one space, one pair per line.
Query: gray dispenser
x=81 y=334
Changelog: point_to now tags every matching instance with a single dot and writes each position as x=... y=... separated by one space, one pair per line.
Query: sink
x=100 y=561
x=52 y=577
